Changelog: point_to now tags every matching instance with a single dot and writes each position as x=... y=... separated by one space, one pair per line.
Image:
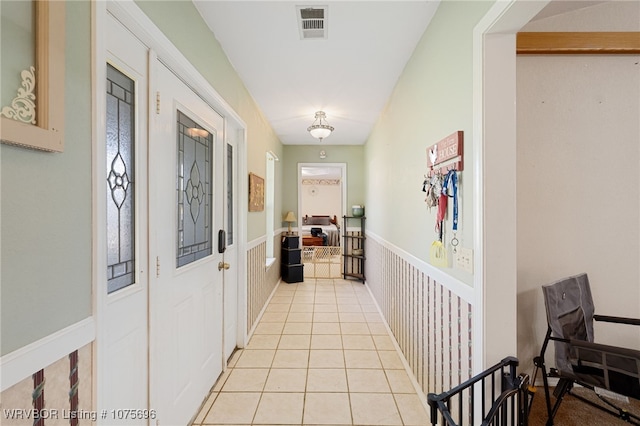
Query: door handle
x=223 y=265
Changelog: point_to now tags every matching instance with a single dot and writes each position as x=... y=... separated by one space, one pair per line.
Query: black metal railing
x=502 y=396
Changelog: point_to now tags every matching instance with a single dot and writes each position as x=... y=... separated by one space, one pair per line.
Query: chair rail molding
x=23 y=362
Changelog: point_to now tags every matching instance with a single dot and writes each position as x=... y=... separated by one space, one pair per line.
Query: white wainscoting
x=22 y=363
x=261 y=280
x=429 y=313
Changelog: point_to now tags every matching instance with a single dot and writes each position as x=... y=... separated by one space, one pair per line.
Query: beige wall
x=578 y=176
x=321 y=199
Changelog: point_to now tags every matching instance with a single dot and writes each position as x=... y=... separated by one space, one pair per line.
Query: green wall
x=201 y=48
x=46 y=213
x=432 y=99
x=352 y=155
x=17 y=45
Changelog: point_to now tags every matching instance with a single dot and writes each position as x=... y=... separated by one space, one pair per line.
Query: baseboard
x=22 y=363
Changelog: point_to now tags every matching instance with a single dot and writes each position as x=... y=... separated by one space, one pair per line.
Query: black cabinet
x=291 y=267
x=353 y=249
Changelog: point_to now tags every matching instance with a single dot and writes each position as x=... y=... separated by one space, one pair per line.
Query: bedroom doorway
x=321 y=205
x=322 y=189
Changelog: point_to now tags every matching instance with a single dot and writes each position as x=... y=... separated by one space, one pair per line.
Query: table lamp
x=290 y=218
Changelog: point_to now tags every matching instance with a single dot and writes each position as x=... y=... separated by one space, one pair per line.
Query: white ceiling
x=349 y=75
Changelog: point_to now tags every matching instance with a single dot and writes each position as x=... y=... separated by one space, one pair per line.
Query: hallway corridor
x=320 y=355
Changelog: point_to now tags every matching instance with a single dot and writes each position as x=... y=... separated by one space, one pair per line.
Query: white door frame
x=132 y=17
x=343 y=186
x=230 y=294
x=494 y=165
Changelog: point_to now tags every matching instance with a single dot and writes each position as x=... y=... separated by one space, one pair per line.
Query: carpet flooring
x=573 y=412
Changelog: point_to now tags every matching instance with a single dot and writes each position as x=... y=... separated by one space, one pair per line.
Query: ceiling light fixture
x=320 y=129
x=195 y=132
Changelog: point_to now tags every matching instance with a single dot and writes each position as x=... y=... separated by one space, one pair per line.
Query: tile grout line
x=376 y=346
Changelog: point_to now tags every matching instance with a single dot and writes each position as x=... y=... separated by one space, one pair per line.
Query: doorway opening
x=321 y=205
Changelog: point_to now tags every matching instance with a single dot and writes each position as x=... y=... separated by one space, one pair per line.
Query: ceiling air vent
x=312 y=22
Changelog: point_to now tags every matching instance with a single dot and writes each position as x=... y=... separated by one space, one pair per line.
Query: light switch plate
x=464 y=259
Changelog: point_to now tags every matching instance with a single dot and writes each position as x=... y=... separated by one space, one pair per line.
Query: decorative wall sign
x=446 y=154
x=256 y=193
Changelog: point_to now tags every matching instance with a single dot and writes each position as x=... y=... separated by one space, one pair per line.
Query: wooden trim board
x=538 y=43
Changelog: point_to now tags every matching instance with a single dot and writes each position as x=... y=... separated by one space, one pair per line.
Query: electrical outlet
x=464 y=259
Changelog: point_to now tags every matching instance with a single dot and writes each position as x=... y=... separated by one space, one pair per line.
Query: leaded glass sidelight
x=194 y=191
x=120 y=124
x=229 y=194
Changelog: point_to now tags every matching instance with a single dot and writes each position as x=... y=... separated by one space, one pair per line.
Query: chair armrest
x=618 y=320
x=596 y=356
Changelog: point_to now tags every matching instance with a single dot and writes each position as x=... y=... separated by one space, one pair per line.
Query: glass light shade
x=320 y=132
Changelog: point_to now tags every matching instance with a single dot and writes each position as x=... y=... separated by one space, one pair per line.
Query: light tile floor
x=320 y=355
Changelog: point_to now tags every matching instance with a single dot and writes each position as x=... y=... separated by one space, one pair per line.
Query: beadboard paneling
x=431 y=323
x=261 y=281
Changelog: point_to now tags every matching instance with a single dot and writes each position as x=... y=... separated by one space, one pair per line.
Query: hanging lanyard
x=453 y=177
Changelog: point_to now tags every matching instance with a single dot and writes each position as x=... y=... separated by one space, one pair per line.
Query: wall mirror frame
x=340 y=167
x=47 y=134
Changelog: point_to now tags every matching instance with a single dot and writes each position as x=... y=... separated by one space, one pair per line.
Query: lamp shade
x=290 y=217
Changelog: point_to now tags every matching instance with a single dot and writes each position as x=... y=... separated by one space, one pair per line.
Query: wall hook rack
x=446 y=155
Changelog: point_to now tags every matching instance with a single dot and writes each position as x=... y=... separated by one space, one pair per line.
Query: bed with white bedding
x=326 y=225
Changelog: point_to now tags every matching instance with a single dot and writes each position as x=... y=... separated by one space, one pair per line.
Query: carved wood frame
x=48 y=132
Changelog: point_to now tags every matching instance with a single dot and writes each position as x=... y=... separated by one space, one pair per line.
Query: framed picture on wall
x=256 y=193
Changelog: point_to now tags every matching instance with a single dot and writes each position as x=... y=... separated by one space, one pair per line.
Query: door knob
x=223 y=265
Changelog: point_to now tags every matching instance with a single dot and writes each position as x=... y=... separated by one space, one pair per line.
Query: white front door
x=186 y=212
x=121 y=185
